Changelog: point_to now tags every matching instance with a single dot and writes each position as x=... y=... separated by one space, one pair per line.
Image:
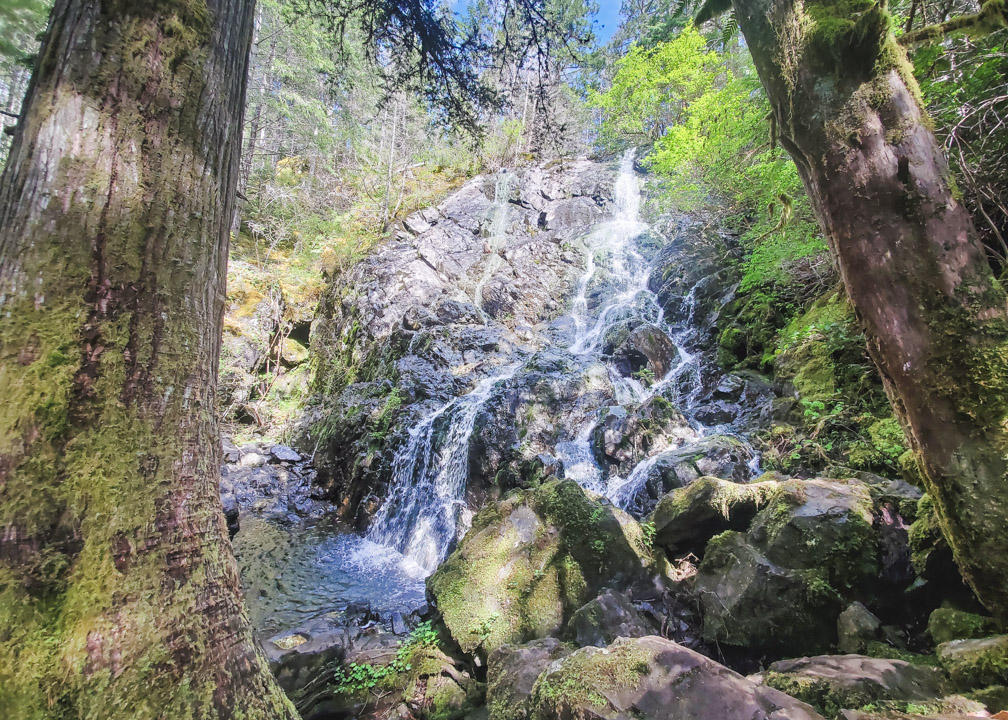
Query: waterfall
x=499 y=221
x=420 y=516
x=612 y=257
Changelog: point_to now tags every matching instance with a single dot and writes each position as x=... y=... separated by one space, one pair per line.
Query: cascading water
x=499 y=220
x=420 y=516
x=613 y=259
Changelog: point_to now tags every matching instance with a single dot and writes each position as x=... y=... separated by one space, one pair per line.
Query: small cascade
x=420 y=516
x=499 y=222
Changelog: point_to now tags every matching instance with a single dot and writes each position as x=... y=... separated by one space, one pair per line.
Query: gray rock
x=285 y=454
x=856 y=627
x=835 y=682
x=609 y=616
x=652 y=678
x=252 y=460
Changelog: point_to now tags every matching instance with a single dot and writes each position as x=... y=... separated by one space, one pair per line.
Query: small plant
x=648 y=534
x=645 y=376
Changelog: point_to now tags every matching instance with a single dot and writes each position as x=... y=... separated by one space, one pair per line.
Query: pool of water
x=294 y=572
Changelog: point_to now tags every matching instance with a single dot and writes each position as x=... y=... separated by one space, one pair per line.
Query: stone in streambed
x=534 y=558
x=651 y=678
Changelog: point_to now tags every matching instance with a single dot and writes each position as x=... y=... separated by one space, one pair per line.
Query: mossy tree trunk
x=848 y=111
x=119 y=594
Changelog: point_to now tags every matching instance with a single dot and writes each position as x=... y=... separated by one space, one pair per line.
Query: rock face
x=832 y=683
x=459 y=291
x=652 y=678
x=534 y=558
x=782 y=584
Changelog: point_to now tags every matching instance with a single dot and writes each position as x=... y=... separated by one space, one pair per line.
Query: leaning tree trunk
x=848 y=111
x=119 y=594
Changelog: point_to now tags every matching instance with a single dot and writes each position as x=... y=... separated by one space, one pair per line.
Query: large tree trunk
x=119 y=594
x=848 y=111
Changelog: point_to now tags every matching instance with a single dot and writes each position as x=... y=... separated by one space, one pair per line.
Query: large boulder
x=651 y=678
x=831 y=683
x=512 y=671
x=532 y=559
x=686 y=518
x=781 y=585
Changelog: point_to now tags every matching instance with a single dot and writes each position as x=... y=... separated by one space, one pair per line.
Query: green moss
x=586 y=676
x=946 y=624
x=976 y=663
x=879 y=649
x=531 y=560
x=824 y=696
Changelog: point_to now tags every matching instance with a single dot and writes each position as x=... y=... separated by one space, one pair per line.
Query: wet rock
x=654 y=679
x=609 y=616
x=622 y=439
x=685 y=519
x=831 y=683
x=272 y=489
x=856 y=628
x=647 y=346
x=285 y=454
x=977 y=662
x=721 y=456
x=532 y=559
x=511 y=674
x=297 y=656
x=252 y=460
x=231 y=513
x=781 y=585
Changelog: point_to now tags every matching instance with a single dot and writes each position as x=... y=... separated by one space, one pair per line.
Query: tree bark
x=119 y=594
x=850 y=115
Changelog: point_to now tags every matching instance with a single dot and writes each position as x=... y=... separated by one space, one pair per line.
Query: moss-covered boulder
x=976 y=663
x=781 y=585
x=651 y=678
x=831 y=683
x=532 y=559
x=947 y=624
x=686 y=518
x=512 y=671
